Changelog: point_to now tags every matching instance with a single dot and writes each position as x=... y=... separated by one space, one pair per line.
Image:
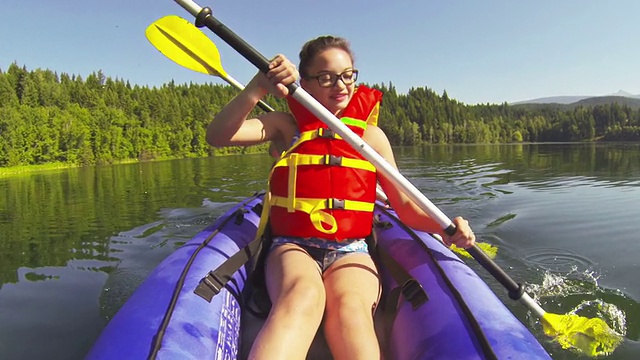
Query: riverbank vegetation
x=50 y=118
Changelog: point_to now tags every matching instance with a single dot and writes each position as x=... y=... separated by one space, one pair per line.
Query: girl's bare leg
x=296 y=290
x=353 y=288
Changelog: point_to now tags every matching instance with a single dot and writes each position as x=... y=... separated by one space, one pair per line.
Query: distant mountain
x=570 y=102
x=632 y=102
x=625 y=94
x=552 y=100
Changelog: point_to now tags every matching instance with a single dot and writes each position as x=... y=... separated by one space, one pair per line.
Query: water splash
x=592 y=326
x=572 y=283
x=616 y=317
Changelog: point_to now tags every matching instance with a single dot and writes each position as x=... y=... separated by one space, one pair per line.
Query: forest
x=46 y=117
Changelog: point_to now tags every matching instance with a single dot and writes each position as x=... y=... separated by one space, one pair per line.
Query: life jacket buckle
x=332 y=160
x=325 y=133
x=335 y=204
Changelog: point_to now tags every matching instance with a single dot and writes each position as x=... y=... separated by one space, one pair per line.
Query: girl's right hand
x=281 y=73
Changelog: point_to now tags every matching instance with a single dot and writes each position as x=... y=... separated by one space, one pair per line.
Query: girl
x=319 y=266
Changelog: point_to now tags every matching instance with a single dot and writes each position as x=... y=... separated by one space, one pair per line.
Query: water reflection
x=49 y=219
x=527 y=163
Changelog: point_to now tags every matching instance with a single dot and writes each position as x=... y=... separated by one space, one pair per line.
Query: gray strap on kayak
x=409 y=287
x=217 y=279
x=211 y=285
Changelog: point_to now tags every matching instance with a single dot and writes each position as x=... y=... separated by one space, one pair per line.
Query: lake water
x=75 y=243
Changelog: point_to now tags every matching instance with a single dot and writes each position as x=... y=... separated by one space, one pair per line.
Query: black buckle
x=240 y=215
x=380 y=224
x=209 y=286
x=325 y=133
x=332 y=160
x=335 y=204
x=414 y=293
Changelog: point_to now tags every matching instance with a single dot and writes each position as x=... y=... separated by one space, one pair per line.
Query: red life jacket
x=321 y=187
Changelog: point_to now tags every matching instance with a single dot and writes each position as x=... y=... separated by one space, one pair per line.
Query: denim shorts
x=324 y=252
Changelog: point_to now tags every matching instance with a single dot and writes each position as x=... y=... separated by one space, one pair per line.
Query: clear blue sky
x=478 y=51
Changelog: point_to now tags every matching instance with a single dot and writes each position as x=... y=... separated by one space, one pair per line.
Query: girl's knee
x=353 y=309
x=302 y=299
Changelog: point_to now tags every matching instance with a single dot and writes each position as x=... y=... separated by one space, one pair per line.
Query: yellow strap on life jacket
x=264 y=215
x=307 y=159
x=292 y=161
x=372 y=119
x=314 y=208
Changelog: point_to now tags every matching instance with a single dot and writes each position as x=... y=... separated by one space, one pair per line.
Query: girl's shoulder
x=373 y=134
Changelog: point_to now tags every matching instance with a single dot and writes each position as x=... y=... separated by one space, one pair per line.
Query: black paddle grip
x=514 y=289
x=205 y=18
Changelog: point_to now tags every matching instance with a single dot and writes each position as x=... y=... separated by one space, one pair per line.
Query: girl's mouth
x=339 y=97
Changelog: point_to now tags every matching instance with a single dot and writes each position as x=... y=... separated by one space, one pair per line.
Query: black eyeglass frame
x=335 y=77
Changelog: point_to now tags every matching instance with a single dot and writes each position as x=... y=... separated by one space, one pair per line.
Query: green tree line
x=422 y=116
x=46 y=117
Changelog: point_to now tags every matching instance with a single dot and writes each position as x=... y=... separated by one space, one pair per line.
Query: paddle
x=592 y=336
x=192 y=49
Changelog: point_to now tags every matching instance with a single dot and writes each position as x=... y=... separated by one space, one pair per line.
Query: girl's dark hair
x=318 y=45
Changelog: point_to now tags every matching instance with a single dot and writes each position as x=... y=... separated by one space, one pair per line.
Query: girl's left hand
x=464 y=236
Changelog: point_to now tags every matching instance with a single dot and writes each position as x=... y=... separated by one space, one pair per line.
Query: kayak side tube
x=154 y=323
x=462 y=318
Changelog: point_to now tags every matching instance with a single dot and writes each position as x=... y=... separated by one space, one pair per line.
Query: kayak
x=459 y=316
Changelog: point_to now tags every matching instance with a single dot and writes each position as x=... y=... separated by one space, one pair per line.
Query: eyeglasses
x=327 y=80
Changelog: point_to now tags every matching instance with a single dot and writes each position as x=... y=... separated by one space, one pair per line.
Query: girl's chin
x=337 y=110
x=337 y=106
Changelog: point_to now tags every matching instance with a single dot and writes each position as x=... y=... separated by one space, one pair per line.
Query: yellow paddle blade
x=488 y=249
x=592 y=337
x=182 y=42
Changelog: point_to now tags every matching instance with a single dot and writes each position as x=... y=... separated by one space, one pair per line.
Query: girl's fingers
x=464 y=237
x=282 y=90
x=281 y=69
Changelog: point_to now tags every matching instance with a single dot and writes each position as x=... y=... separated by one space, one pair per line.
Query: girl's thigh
x=290 y=268
x=354 y=276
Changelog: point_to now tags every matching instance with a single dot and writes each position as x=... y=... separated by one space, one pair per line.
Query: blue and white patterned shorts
x=322 y=251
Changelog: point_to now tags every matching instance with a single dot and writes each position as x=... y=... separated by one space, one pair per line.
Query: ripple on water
x=561 y=260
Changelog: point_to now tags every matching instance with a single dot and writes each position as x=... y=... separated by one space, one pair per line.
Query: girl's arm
x=231 y=126
x=407 y=210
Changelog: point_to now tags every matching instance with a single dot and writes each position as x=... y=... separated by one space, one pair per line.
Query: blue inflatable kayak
x=461 y=318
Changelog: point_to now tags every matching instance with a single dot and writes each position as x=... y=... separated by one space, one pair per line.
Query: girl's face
x=331 y=68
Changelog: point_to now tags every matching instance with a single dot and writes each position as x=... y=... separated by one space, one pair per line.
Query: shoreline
x=6 y=172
